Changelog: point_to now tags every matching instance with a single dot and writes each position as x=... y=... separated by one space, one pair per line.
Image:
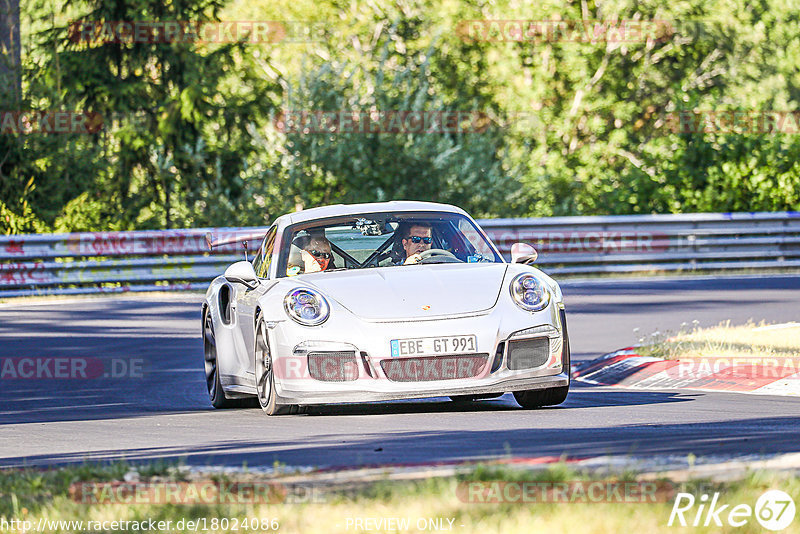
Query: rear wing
x=246 y=237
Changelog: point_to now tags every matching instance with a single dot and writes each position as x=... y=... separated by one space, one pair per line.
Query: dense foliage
x=192 y=131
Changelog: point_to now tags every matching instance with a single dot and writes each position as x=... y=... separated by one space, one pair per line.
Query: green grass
x=748 y=342
x=33 y=494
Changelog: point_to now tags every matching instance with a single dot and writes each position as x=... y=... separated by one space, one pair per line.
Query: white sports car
x=374 y=302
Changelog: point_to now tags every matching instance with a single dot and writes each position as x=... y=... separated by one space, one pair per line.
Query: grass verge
x=484 y=500
x=746 y=342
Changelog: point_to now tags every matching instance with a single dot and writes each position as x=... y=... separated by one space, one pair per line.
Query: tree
x=175 y=112
x=10 y=50
x=389 y=153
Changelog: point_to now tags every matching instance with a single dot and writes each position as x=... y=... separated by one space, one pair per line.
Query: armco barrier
x=636 y=243
x=180 y=259
x=114 y=261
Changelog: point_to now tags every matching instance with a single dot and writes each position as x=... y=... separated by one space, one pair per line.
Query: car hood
x=414 y=291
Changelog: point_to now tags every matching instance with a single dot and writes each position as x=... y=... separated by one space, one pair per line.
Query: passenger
x=315 y=255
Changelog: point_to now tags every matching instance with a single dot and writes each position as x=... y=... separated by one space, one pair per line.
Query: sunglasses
x=318 y=254
x=418 y=239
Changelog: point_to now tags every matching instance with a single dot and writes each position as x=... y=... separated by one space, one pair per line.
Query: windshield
x=383 y=240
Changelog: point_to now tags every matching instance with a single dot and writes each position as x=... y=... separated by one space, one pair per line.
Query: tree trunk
x=10 y=52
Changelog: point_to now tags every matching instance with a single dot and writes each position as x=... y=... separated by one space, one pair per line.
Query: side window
x=263 y=259
x=258 y=259
x=475 y=241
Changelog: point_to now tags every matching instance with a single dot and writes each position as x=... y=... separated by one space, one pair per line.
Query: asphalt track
x=164 y=413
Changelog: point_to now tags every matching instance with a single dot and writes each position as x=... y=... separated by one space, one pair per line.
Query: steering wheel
x=438 y=255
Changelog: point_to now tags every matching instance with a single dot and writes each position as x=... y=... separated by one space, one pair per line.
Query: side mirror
x=242 y=272
x=523 y=253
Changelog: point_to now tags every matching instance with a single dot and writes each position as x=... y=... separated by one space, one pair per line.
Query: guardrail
x=179 y=259
x=113 y=262
x=636 y=243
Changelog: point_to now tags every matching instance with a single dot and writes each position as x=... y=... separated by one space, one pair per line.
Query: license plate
x=432 y=346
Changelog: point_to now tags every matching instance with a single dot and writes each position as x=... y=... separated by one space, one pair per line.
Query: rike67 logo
x=774 y=510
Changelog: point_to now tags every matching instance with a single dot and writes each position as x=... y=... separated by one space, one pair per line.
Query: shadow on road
x=738 y=437
x=580 y=397
x=654 y=305
x=134 y=357
x=102 y=401
x=651 y=285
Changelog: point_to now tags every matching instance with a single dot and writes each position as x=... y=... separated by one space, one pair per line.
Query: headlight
x=306 y=306
x=529 y=293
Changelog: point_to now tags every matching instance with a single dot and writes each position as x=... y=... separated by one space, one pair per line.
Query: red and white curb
x=626 y=368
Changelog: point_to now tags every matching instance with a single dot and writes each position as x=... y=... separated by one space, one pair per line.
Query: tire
x=536 y=398
x=473 y=398
x=543 y=397
x=265 y=377
x=215 y=392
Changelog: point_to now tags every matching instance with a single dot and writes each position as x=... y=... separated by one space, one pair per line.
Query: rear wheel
x=265 y=376
x=215 y=392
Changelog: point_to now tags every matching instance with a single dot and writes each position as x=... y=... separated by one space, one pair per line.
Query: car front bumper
x=371 y=343
x=363 y=393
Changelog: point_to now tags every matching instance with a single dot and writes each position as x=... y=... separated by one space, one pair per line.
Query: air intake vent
x=333 y=366
x=528 y=353
x=498 y=356
x=434 y=368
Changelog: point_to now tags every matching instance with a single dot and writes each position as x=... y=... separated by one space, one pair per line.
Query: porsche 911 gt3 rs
x=383 y=301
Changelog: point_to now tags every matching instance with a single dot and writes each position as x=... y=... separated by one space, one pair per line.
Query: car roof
x=338 y=210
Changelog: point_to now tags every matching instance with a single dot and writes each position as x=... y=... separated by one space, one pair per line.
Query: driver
x=416 y=239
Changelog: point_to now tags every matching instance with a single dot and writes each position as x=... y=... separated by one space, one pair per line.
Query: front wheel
x=537 y=398
x=265 y=376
